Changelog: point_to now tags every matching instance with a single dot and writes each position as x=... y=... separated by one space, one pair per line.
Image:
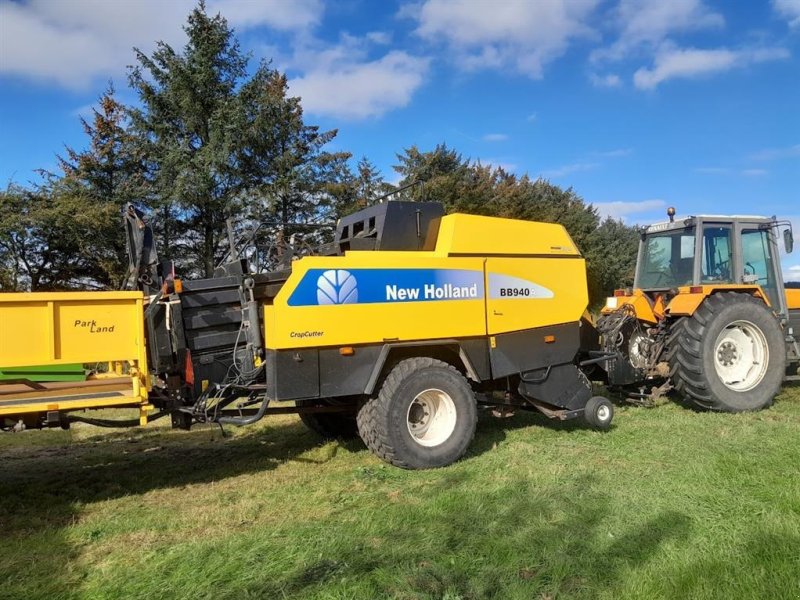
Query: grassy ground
x=669 y=504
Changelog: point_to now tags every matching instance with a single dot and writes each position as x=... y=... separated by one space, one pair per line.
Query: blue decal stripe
x=378 y=286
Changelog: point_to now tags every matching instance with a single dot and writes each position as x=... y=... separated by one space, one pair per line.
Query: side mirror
x=788 y=241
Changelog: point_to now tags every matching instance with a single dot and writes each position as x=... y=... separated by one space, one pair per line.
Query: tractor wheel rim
x=741 y=356
x=603 y=413
x=431 y=417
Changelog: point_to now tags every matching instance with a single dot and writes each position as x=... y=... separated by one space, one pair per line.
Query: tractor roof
x=682 y=222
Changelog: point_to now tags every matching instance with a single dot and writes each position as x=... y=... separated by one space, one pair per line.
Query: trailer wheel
x=730 y=355
x=423 y=417
x=331 y=425
x=599 y=412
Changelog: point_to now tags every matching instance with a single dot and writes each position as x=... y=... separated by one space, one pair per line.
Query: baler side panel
x=526 y=293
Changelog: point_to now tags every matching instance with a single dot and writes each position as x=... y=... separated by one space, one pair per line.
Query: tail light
x=188 y=369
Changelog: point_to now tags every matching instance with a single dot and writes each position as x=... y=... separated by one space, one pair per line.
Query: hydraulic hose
x=114 y=422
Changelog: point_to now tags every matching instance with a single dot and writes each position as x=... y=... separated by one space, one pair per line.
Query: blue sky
x=636 y=104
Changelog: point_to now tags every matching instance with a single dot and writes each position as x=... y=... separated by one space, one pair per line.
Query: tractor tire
x=423 y=417
x=730 y=356
x=331 y=425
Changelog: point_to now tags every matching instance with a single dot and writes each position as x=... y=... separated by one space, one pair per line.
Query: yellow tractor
x=709 y=315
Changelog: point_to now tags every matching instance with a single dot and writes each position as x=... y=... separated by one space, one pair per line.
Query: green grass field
x=670 y=503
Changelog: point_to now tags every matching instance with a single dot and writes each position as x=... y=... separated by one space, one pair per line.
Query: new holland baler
x=397 y=331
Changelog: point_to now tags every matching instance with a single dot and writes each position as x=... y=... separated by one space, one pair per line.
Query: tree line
x=207 y=141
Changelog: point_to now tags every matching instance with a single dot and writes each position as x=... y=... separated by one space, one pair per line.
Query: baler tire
x=385 y=422
x=693 y=357
x=331 y=425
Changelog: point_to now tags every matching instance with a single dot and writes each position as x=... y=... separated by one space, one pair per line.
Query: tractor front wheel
x=730 y=355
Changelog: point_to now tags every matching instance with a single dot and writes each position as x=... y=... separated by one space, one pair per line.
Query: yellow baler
x=396 y=330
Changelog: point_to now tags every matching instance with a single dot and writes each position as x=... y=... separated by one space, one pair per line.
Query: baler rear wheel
x=730 y=356
x=423 y=417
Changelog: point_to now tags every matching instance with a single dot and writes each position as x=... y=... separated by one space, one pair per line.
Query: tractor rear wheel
x=423 y=417
x=730 y=355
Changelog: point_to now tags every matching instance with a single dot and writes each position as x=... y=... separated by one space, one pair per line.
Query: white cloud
x=650 y=22
x=350 y=89
x=499 y=163
x=611 y=80
x=621 y=210
x=671 y=62
x=531 y=117
x=790 y=9
x=616 y=153
x=343 y=80
x=84 y=112
x=729 y=171
x=73 y=43
x=296 y=15
x=569 y=169
x=776 y=153
x=495 y=137
x=519 y=34
x=713 y=170
x=379 y=37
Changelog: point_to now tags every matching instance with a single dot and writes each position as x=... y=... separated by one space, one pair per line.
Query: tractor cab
x=715 y=251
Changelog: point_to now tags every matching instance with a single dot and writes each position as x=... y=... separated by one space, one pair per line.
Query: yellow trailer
x=102 y=328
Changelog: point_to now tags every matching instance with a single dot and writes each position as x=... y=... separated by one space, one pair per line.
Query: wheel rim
x=637 y=351
x=603 y=413
x=741 y=356
x=431 y=417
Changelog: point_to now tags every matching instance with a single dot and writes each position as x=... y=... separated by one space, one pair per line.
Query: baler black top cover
x=394 y=225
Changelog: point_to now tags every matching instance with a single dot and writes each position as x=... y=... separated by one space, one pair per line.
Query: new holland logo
x=337 y=286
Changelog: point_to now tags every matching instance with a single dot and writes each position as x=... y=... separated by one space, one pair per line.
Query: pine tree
x=369 y=183
x=292 y=178
x=188 y=126
x=99 y=181
x=222 y=145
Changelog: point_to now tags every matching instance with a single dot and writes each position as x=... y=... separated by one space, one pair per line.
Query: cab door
x=758 y=250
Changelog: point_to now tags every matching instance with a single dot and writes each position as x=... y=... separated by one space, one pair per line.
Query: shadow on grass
x=512 y=542
x=43 y=489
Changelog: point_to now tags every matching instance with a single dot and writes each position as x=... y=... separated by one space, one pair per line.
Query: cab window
x=668 y=259
x=757 y=261
x=716 y=261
